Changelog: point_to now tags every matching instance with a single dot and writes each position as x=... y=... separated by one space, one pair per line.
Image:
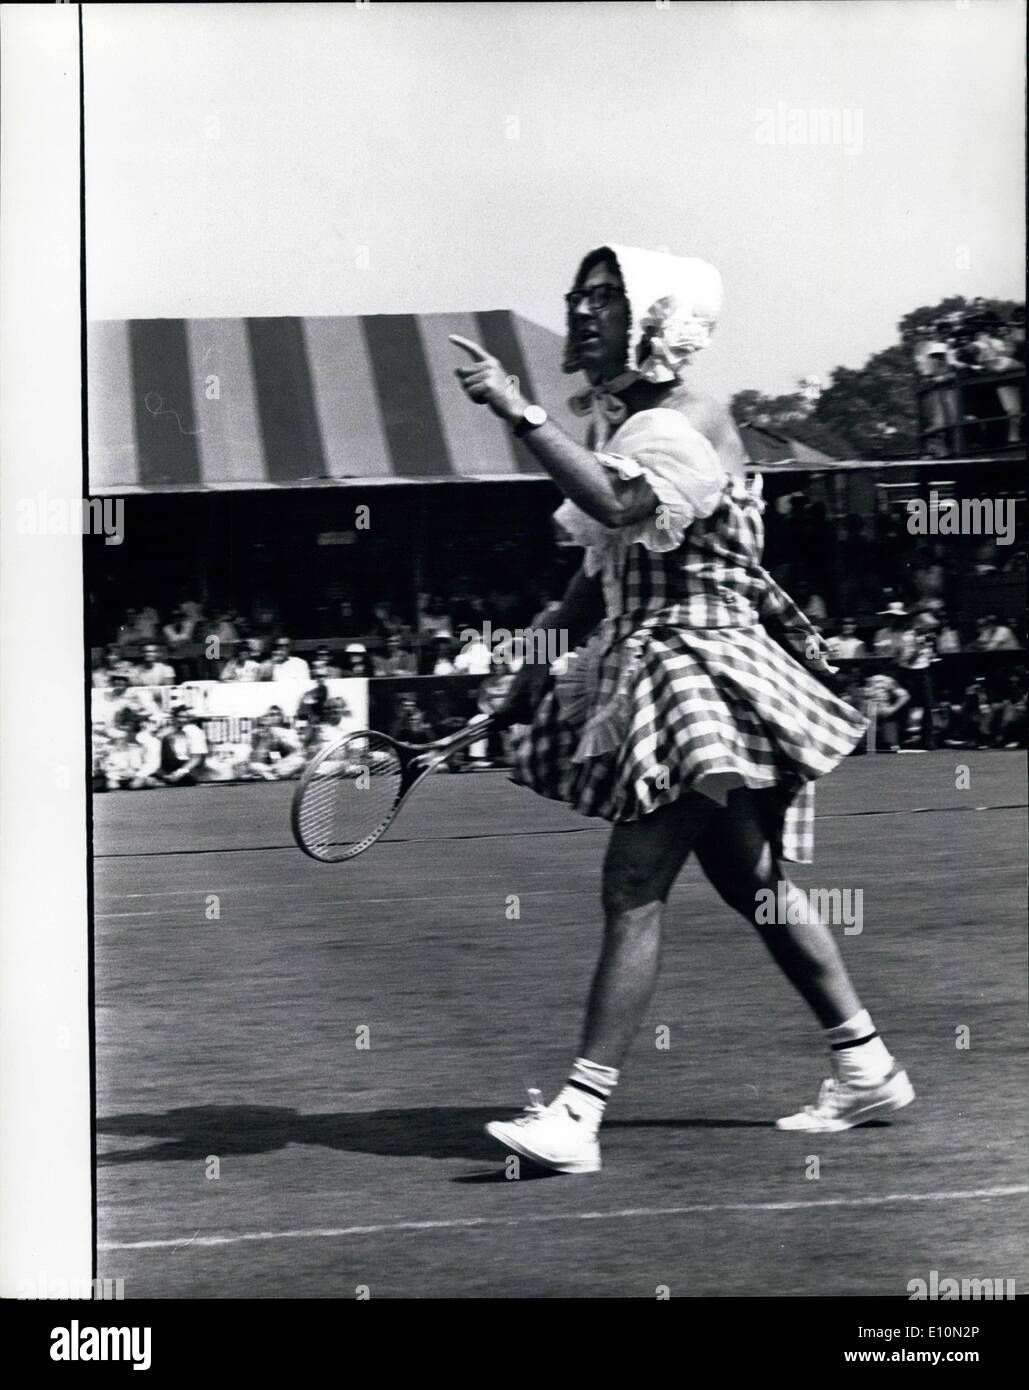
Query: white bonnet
x=674 y=303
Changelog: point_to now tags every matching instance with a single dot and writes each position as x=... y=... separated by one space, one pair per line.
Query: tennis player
x=680 y=719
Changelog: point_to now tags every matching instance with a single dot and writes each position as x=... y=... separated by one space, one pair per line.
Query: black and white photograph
x=514 y=609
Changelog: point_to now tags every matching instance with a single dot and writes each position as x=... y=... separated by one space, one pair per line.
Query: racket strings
x=350 y=797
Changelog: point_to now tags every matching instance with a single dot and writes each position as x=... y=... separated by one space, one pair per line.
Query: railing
x=948 y=429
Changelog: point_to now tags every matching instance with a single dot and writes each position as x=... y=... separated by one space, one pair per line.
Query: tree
x=869 y=411
x=873 y=407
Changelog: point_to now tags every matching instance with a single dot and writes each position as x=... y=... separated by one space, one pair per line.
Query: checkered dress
x=682 y=688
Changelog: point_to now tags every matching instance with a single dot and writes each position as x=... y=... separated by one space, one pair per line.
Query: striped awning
x=192 y=404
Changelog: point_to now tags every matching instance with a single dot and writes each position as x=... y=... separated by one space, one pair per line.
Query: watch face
x=534 y=415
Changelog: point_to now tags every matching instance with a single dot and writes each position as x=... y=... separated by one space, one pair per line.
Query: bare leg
x=737 y=858
x=642 y=862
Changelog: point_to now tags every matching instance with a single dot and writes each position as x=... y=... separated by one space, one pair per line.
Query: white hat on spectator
x=893 y=610
x=357 y=647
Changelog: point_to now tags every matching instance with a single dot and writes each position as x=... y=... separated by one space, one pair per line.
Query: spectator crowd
x=907 y=619
x=958 y=360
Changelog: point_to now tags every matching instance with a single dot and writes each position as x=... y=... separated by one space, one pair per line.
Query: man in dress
x=685 y=723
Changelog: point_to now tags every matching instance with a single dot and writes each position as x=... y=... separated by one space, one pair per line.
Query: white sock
x=587 y=1091
x=859 y=1054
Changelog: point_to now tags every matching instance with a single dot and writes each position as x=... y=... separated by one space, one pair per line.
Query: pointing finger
x=473 y=349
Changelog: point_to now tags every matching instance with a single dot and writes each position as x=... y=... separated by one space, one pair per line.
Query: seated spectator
x=179 y=631
x=148 y=623
x=409 y=724
x=193 y=611
x=284 y=666
x=356 y=661
x=970 y=720
x=118 y=706
x=474 y=658
x=443 y=716
x=812 y=604
x=264 y=620
x=852 y=690
x=275 y=751
x=883 y=701
x=385 y=622
x=152 y=671
x=891 y=639
x=441 y=655
x=224 y=632
x=467 y=608
x=128 y=630
x=987 y=558
x=929 y=579
x=1008 y=720
x=399 y=659
x=433 y=615
x=245 y=664
x=100 y=742
x=132 y=759
x=115 y=763
x=848 y=644
x=916 y=655
x=948 y=639
x=111 y=663
x=509 y=657
x=322 y=667
x=994 y=636
x=183 y=750
x=1014 y=334
x=312 y=702
x=333 y=610
x=329 y=728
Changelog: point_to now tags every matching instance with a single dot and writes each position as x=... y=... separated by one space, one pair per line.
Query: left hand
x=815 y=650
x=486 y=382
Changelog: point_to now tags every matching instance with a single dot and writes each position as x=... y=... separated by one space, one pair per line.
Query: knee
x=759 y=894
x=746 y=890
x=744 y=895
x=629 y=889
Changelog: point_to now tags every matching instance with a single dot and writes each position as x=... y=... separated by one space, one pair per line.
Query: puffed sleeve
x=679 y=464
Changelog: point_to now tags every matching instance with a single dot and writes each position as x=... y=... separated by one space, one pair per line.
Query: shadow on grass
x=192 y=1133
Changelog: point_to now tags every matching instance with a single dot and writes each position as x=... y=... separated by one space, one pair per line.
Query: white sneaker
x=558 y=1139
x=841 y=1104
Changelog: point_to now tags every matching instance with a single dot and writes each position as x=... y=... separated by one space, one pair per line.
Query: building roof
x=766 y=445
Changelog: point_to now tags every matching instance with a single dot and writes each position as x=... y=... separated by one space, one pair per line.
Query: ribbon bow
x=603 y=403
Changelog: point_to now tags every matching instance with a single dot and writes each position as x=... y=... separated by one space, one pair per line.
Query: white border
x=45 y=1156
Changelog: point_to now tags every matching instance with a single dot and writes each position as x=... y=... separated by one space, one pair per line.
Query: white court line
x=254 y=887
x=367 y=902
x=628 y=1213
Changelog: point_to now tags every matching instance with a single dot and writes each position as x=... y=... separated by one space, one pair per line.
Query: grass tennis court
x=235 y=980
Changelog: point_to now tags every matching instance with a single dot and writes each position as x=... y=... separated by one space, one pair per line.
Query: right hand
x=527 y=691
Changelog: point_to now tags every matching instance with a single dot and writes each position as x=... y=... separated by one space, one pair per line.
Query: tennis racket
x=351 y=793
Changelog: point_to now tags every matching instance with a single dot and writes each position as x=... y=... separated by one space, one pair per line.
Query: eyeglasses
x=598 y=296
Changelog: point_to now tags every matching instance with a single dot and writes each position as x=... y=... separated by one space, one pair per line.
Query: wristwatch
x=532 y=417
